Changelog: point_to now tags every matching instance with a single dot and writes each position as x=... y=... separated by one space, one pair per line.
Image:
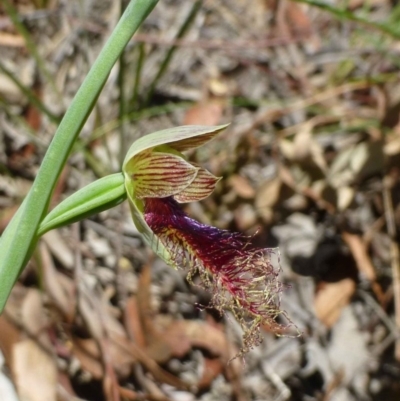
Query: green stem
x=17 y=241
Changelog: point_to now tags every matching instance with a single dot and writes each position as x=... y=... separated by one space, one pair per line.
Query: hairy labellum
x=241 y=277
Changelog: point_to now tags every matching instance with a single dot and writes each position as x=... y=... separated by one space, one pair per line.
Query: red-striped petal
x=201 y=187
x=158 y=175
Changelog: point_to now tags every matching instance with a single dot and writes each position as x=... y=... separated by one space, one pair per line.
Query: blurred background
x=310 y=164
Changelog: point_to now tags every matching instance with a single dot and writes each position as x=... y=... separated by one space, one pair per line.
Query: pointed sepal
x=201 y=187
x=180 y=138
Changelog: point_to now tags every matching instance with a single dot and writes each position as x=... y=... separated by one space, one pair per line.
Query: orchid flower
x=158 y=178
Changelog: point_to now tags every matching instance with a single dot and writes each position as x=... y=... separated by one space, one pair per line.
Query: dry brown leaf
x=159 y=374
x=133 y=322
x=89 y=309
x=295 y=22
x=34 y=371
x=121 y=352
x=107 y=331
x=58 y=286
x=33 y=316
x=204 y=113
x=128 y=394
x=298 y=20
x=359 y=251
x=212 y=369
x=356 y=162
x=160 y=344
x=65 y=391
x=242 y=186
x=287 y=149
x=179 y=336
x=331 y=298
x=173 y=343
x=33 y=115
x=9 y=336
x=307 y=149
x=144 y=305
x=245 y=217
x=166 y=338
x=10 y=40
x=23 y=157
x=267 y=196
x=6 y=215
x=203 y=335
x=59 y=248
x=345 y=196
x=88 y=353
x=392 y=145
x=302 y=143
x=35 y=319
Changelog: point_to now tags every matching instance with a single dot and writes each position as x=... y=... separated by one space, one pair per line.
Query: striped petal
x=201 y=187
x=158 y=175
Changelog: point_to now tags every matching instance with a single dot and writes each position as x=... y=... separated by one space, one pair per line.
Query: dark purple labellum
x=241 y=277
